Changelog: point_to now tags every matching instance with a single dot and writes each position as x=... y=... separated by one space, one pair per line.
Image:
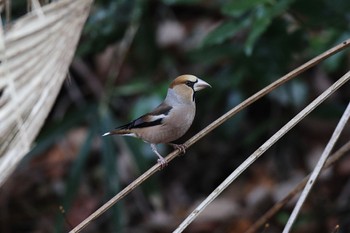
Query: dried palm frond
x=35 y=53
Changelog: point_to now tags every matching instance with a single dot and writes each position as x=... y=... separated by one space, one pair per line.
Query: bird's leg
x=163 y=163
x=180 y=147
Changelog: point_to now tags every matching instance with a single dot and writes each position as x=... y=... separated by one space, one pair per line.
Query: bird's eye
x=189 y=83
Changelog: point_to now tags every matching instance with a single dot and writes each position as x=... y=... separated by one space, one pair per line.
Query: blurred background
x=128 y=54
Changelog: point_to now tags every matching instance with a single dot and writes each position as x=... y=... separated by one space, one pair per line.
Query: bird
x=170 y=120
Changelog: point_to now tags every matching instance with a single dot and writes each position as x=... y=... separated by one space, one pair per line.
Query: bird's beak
x=200 y=84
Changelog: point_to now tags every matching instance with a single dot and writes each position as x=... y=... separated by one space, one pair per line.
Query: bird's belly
x=163 y=134
x=170 y=130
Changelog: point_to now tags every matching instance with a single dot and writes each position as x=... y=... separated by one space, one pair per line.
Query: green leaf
x=238 y=7
x=264 y=16
x=280 y=7
x=259 y=27
x=225 y=31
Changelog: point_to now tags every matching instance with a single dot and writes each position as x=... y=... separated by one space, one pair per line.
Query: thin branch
x=262 y=149
x=314 y=175
x=336 y=229
x=114 y=71
x=211 y=127
x=278 y=206
x=123 y=51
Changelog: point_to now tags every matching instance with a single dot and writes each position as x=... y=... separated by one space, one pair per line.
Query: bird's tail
x=119 y=132
x=122 y=130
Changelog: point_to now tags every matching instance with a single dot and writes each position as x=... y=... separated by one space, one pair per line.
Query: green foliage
x=240 y=7
x=107 y=24
x=225 y=31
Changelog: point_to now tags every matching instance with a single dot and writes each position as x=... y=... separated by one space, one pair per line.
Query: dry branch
x=278 y=206
x=314 y=175
x=211 y=127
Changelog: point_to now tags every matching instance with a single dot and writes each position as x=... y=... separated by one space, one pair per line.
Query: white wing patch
x=130 y=135
x=151 y=118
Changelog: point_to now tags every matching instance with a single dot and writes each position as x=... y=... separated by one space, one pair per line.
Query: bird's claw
x=163 y=163
x=180 y=147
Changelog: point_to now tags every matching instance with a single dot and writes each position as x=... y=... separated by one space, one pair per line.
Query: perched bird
x=170 y=120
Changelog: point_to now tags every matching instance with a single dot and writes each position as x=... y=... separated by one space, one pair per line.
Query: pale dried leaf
x=35 y=54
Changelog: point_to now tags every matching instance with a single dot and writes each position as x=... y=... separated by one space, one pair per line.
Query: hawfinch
x=170 y=120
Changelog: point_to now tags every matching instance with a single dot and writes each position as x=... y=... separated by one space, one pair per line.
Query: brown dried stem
x=278 y=206
x=317 y=170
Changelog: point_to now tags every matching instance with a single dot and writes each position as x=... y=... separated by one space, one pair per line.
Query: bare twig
x=211 y=127
x=344 y=119
x=121 y=54
x=336 y=229
x=123 y=50
x=278 y=206
x=262 y=149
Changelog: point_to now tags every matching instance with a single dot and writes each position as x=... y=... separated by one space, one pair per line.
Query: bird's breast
x=179 y=121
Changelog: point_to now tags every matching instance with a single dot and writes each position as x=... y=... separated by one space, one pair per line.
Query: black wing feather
x=142 y=122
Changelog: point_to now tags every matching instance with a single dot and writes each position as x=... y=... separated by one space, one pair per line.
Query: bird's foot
x=180 y=147
x=163 y=163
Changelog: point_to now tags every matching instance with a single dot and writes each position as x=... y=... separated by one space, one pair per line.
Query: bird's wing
x=150 y=119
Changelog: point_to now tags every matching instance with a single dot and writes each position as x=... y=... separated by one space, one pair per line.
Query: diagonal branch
x=211 y=127
x=278 y=206
x=315 y=173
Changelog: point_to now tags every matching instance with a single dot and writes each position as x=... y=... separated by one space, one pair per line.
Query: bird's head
x=186 y=86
